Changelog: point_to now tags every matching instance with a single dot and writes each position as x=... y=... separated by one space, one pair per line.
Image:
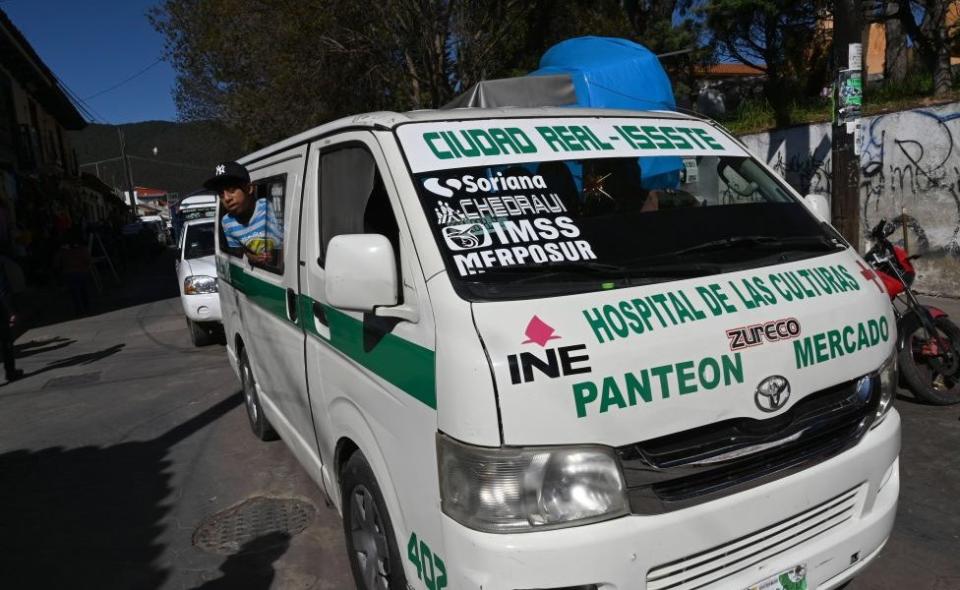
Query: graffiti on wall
x=910 y=170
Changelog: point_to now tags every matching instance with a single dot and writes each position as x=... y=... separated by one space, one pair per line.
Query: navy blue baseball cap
x=228 y=174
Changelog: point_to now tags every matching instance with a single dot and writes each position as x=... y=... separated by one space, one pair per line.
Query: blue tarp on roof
x=617 y=74
x=610 y=73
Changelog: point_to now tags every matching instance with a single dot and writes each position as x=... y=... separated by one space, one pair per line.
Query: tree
x=895 y=54
x=925 y=21
x=271 y=69
x=783 y=38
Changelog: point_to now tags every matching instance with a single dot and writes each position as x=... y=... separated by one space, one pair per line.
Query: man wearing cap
x=250 y=224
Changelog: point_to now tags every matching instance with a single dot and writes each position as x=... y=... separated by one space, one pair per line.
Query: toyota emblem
x=772 y=393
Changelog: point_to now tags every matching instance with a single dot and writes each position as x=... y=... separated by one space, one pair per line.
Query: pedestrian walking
x=8 y=318
x=75 y=264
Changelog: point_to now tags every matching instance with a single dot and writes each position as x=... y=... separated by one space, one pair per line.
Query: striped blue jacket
x=261 y=234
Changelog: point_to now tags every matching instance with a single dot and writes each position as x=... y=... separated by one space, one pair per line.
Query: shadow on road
x=91 y=517
x=252 y=567
x=86 y=358
x=26 y=349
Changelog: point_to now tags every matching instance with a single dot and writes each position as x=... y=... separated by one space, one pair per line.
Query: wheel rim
x=369 y=540
x=940 y=370
x=249 y=393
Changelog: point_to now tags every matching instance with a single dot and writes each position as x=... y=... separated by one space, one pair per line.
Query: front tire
x=199 y=335
x=371 y=545
x=935 y=380
x=251 y=400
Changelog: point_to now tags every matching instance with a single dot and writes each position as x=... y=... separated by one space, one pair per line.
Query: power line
x=85 y=109
x=125 y=80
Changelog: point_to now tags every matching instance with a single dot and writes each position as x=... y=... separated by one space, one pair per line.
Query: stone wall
x=910 y=174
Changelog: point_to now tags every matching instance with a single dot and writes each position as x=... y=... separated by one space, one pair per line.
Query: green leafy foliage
x=272 y=69
x=784 y=38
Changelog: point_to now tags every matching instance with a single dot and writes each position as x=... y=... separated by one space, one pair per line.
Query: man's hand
x=13 y=319
x=262 y=258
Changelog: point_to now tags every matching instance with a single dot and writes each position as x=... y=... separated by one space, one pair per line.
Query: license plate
x=794 y=578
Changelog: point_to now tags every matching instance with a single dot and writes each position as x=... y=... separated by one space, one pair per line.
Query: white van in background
x=197 y=276
x=564 y=348
x=197 y=205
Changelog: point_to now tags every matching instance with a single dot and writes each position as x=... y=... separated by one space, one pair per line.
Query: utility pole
x=128 y=175
x=848 y=97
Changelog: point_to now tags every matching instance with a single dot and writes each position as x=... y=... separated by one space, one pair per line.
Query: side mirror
x=819 y=205
x=361 y=272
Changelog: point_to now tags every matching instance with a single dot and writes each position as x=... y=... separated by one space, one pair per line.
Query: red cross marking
x=869 y=274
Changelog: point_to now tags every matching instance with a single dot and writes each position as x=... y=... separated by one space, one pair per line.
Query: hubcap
x=249 y=392
x=369 y=540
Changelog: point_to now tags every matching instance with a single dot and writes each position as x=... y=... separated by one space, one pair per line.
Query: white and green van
x=568 y=349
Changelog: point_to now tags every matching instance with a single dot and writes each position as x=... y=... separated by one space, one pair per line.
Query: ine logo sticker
x=469 y=236
x=539 y=332
x=550 y=362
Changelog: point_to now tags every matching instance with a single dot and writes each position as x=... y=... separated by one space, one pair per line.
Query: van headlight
x=199 y=285
x=886 y=377
x=522 y=489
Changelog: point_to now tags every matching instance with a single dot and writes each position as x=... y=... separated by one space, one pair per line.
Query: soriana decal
x=441 y=145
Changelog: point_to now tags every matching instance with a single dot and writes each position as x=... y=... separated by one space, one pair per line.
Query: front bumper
x=620 y=554
x=202 y=308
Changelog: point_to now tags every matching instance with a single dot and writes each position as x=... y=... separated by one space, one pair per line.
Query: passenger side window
x=353 y=198
x=257 y=233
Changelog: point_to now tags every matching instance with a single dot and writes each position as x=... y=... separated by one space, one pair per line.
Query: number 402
x=430 y=568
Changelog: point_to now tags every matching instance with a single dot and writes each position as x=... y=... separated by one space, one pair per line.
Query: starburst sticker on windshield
x=539 y=332
x=593 y=186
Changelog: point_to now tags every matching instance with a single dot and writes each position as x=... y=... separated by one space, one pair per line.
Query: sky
x=92 y=45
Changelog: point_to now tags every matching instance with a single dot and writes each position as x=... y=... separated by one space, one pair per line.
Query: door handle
x=320 y=313
x=292 y=305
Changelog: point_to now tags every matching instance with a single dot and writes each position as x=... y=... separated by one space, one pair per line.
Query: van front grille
x=702 y=464
x=711 y=567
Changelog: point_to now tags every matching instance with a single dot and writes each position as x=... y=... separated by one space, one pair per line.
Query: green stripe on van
x=404 y=364
x=266 y=295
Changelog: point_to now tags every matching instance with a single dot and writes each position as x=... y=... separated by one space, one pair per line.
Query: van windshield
x=540 y=206
x=199 y=241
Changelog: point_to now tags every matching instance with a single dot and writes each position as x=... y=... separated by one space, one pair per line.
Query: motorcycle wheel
x=934 y=379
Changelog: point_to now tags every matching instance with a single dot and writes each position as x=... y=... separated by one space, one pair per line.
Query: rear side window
x=258 y=233
x=353 y=198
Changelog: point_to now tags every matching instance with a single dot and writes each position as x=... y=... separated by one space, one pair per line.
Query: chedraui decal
x=430 y=568
x=502 y=221
x=454 y=144
x=832 y=344
x=661 y=382
x=642 y=315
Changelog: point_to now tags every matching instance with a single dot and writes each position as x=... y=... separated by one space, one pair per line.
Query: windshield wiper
x=550 y=269
x=814 y=243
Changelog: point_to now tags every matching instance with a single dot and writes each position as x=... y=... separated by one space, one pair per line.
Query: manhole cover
x=73 y=380
x=237 y=529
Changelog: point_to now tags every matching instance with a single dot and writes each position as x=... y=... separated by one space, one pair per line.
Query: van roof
x=199 y=221
x=389 y=120
x=197 y=200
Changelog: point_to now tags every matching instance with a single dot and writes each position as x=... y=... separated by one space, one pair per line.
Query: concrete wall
x=910 y=174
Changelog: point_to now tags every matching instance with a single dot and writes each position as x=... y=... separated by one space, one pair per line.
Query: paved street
x=123 y=438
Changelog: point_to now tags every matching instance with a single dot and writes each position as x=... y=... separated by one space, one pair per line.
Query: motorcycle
x=928 y=341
